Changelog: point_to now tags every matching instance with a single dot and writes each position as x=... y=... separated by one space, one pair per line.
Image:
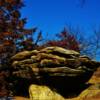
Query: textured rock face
x=54 y=62
x=43 y=93
x=92 y=92
x=53 y=66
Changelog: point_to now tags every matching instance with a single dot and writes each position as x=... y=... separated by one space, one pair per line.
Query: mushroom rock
x=56 y=62
x=54 y=66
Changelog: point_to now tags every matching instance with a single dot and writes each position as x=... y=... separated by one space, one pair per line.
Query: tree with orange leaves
x=65 y=40
x=12 y=32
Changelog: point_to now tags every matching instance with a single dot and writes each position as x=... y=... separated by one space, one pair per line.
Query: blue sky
x=52 y=15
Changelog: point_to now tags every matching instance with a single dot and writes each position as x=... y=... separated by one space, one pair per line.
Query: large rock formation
x=53 y=66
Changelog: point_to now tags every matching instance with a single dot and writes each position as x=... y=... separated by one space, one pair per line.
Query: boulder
x=56 y=62
x=54 y=66
x=39 y=92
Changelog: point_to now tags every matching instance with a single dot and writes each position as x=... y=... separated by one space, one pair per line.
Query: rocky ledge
x=62 y=70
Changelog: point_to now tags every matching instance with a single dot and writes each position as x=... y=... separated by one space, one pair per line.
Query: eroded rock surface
x=58 y=68
x=38 y=92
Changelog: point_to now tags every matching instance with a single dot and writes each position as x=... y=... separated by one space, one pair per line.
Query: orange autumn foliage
x=65 y=40
x=12 y=31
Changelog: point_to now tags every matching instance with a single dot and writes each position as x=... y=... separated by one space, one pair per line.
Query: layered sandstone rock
x=61 y=69
x=54 y=62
